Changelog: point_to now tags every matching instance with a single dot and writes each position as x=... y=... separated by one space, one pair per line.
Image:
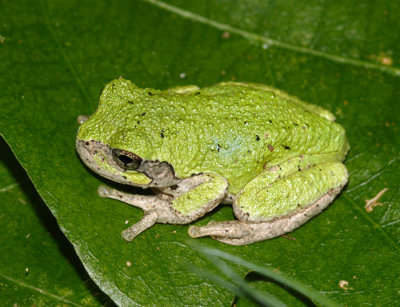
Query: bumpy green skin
x=234 y=129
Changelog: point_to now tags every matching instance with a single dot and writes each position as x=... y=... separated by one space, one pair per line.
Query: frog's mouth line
x=99 y=158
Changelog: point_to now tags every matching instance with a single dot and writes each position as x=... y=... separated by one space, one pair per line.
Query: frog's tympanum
x=275 y=158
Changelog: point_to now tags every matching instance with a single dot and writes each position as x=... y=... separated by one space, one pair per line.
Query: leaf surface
x=38 y=265
x=55 y=58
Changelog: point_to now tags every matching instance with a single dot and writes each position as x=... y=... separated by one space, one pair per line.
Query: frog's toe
x=227 y=229
x=148 y=220
x=104 y=191
x=233 y=241
x=128 y=234
x=235 y=232
x=82 y=118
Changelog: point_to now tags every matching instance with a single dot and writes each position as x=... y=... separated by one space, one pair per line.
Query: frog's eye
x=126 y=159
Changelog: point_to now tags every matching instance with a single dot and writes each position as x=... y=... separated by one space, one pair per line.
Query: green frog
x=275 y=158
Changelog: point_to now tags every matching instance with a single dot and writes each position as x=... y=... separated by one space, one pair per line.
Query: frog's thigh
x=267 y=209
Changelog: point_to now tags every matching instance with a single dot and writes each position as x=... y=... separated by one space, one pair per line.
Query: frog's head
x=111 y=144
x=124 y=166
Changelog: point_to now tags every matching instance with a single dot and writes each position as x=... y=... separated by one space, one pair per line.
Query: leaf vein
x=253 y=37
x=62 y=51
x=364 y=214
x=41 y=291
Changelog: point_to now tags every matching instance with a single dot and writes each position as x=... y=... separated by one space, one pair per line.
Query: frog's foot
x=241 y=232
x=156 y=209
x=195 y=197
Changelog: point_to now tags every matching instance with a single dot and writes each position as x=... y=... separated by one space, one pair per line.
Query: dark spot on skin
x=174 y=187
x=197 y=93
x=257 y=138
x=150 y=93
x=286 y=147
x=270 y=147
x=143 y=114
x=131 y=102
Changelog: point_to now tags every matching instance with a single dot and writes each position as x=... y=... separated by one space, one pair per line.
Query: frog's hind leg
x=241 y=233
x=278 y=201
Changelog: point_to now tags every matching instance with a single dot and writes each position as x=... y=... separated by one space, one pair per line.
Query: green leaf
x=38 y=265
x=242 y=288
x=55 y=57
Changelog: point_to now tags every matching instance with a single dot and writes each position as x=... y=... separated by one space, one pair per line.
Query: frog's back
x=234 y=129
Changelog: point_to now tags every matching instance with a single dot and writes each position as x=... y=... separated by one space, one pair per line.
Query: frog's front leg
x=278 y=201
x=181 y=204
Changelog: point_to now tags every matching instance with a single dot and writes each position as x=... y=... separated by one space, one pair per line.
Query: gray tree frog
x=275 y=158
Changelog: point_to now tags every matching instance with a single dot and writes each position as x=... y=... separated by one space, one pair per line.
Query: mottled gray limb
x=145 y=202
x=148 y=220
x=240 y=233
